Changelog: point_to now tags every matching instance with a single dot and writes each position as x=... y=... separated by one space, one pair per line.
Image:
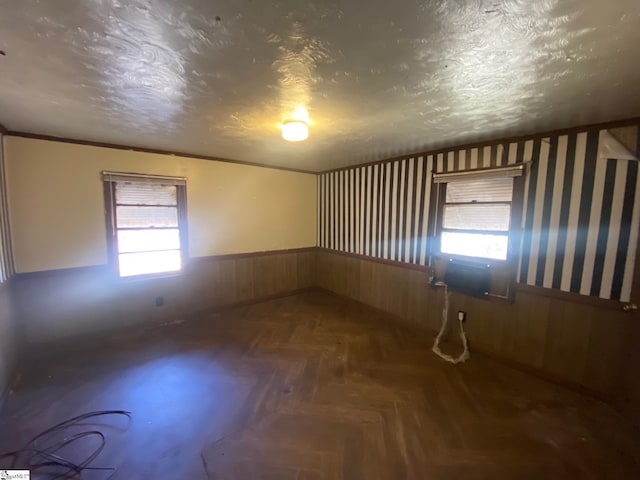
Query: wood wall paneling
x=307 y=268
x=630 y=401
x=60 y=305
x=606 y=349
x=417 y=302
x=9 y=339
x=245 y=282
x=530 y=329
x=567 y=340
x=394 y=289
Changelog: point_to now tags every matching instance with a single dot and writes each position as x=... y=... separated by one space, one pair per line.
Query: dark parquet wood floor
x=315 y=387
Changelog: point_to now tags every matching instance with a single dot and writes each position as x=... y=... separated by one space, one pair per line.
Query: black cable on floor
x=44 y=460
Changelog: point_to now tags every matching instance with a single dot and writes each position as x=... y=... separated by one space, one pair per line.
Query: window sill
x=149 y=276
x=475 y=260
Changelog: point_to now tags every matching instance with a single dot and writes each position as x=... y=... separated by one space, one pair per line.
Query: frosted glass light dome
x=295 y=130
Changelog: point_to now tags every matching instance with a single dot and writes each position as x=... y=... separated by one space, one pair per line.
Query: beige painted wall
x=57 y=207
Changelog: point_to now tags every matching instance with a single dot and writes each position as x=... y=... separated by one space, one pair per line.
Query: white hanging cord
x=464 y=356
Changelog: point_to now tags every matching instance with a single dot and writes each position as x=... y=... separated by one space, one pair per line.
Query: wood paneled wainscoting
x=8 y=338
x=62 y=306
x=577 y=342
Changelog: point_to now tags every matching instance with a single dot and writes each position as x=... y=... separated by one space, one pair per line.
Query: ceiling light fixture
x=295 y=130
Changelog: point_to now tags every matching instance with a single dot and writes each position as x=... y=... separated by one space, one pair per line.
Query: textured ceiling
x=378 y=78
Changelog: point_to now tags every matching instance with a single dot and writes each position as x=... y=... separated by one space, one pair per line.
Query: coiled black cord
x=46 y=461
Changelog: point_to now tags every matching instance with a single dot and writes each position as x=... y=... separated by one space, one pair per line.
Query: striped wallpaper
x=6 y=258
x=580 y=221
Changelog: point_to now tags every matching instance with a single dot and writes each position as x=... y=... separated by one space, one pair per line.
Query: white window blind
x=476 y=216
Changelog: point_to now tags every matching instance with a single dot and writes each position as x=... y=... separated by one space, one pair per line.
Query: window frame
x=503 y=272
x=440 y=228
x=109 y=179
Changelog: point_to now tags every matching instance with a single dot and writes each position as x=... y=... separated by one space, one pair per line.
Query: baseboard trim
x=246 y=303
x=549 y=377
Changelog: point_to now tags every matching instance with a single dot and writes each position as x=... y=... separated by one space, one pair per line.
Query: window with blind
x=475 y=211
x=476 y=217
x=146 y=223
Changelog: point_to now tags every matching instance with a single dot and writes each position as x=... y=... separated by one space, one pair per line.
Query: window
x=475 y=212
x=146 y=223
x=476 y=221
x=476 y=217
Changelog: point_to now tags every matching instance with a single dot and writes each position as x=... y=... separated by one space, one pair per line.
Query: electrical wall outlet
x=462 y=316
